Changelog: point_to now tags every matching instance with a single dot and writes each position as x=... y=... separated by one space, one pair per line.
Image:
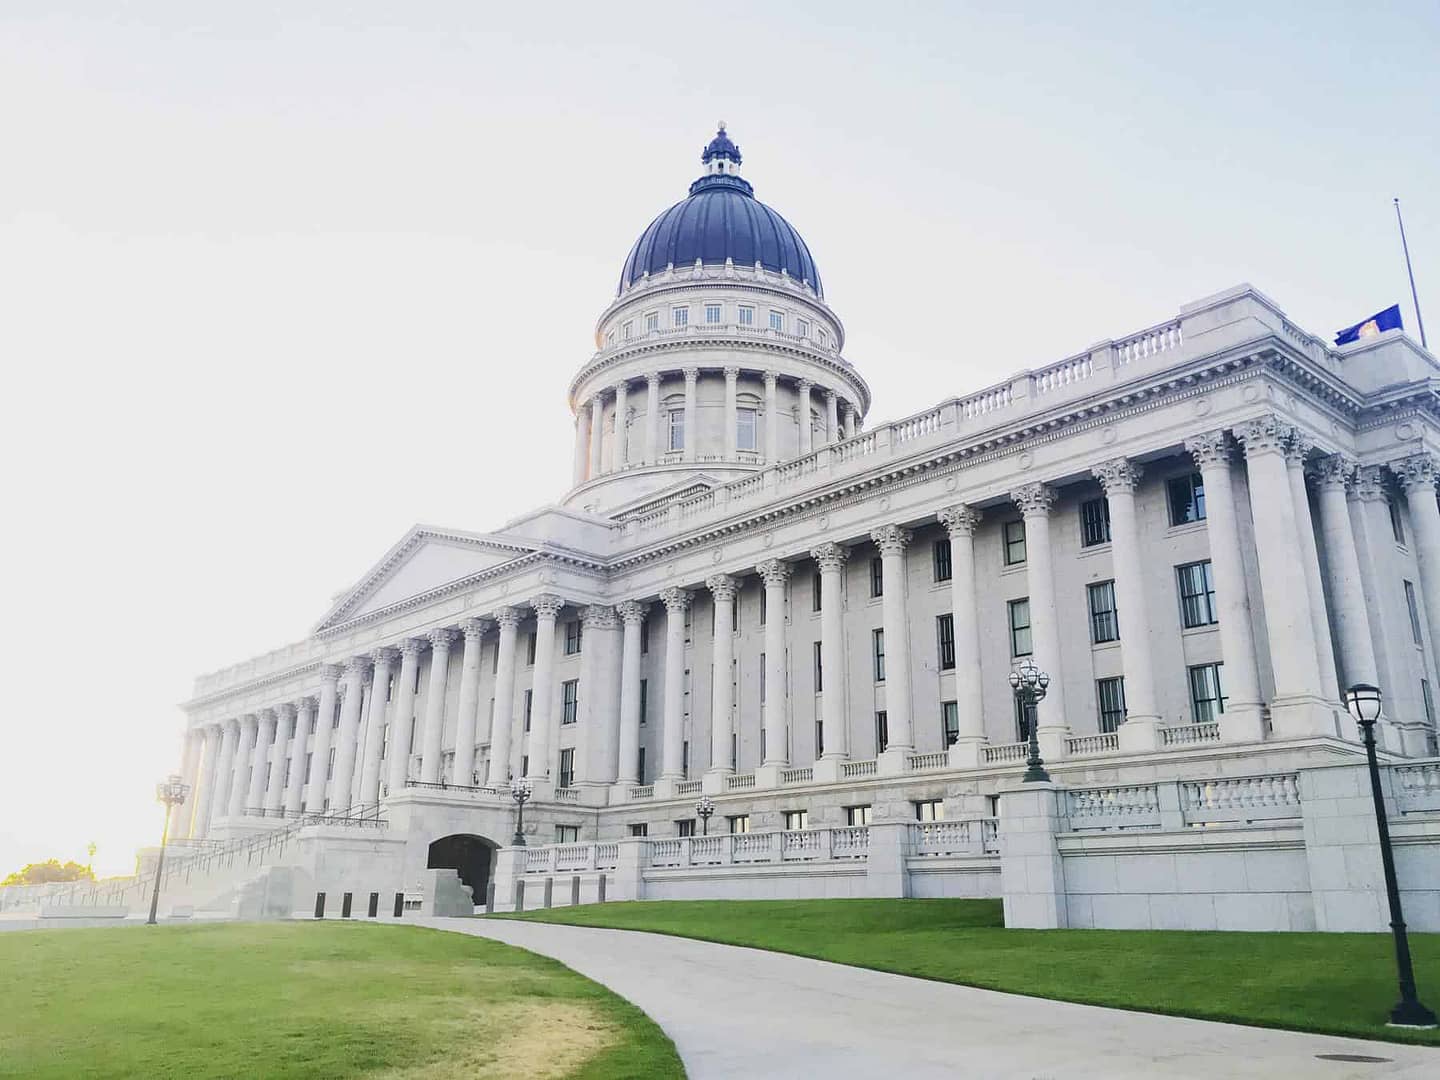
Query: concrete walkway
x=737 y=1012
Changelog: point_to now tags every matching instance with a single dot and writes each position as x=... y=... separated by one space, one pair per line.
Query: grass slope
x=1334 y=983
x=308 y=1000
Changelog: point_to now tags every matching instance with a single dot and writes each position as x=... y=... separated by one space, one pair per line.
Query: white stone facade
x=707 y=615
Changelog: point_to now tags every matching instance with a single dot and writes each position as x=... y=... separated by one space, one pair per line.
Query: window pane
x=1104 y=623
x=1197 y=594
x=878 y=642
x=712 y=313
x=1014 y=542
x=745 y=429
x=1094 y=522
x=677 y=429
x=1020 y=627
x=877 y=577
x=945 y=628
x=1187 y=499
x=942 y=560
x=1110 y=693
x=950 y=716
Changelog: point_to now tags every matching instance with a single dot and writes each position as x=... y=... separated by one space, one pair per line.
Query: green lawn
x=308 y=1000
x=1337 y=983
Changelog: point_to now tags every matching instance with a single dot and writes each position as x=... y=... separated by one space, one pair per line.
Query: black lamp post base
x=1412 y=1014
x=1035 y=774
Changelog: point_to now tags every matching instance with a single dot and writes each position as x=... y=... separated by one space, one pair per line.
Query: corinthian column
x=402 y=717
x=732 y=375
x=182 y=814
x=1242 y=720
x=354 y=692
x=834 y=725
x=617 y=448
x=1141 y=729
x=832 y=417
x=440 y=641
x=582 y=445
x=464 y=773
x=1342 y=560
x=672 y=752
x=777 y=703
x=807 y=434
x=284 y=728
x=542 y=719
x=652 y=417
x=260 y=759
x=1417 y=476
x=722 y=588
x=772 y=418
x=850 y=427
x=205 y=795
x=374 y=751
x=597 y=435
x=244 y=765
x=632 y=614
x=1035 y=502
x=597 y=711
x=892 y=542
x=320 y=756
x=960 y=522
x=692 y=375
x=225 y=772
x=502 y=723
x=1296 y=451
x=304 y=721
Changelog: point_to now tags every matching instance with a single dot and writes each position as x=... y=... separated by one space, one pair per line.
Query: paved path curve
x=736 y=1012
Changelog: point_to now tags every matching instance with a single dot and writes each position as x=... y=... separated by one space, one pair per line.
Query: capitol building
x=754 y=591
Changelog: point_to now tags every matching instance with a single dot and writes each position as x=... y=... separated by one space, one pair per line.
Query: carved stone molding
x=1118 y=476
x=830 y=557
x=652 y=378
x=285 y=710
x=1415 y=473
x=383 y=657
x=1209 y=448
x=547 y=605
x=960 y=520
x=441 y=640
x=774 y=572
x=329 y=673
x=731 y=372
x=1298 y=447
x=1034 y=499
x=307 y=704
x=1368 y=484
x=676 y=600
x=632 y=611
x=772 y=379
x=598 y=617
x=1335 y=471
x=508 y=617
x=722 y=586
x=1263 y=435
x=474 y=629
x=411 y=647
x=691 y=375
x=891 y=539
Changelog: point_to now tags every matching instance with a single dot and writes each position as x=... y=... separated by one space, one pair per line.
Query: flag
x=1389 y=319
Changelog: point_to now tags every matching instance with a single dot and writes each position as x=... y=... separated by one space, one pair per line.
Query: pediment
x=425 y=559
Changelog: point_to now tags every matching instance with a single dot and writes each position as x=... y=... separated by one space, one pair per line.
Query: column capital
x=1368 y=484
x=676 y=600
x=1335 y=471
x=383 y=657
x=1415 y=473
x=622 y=386
x=732 y=372
x=411 y=647
x=547 y=605
x=891 y=539
x=960 y=520
x=804 y=386
x=632 y=612
x=1209 y=448
x=474 y=628
x=652 y=378
x=722 y=586
x=847 y=408
x=1298 y=447
x=1264 y=434
x=508 y=617
x=828 y=395
x=248 y=722
x=307 y=703
x=691 y=374
x=597 y=400
x=830 y=557
x=285 y=711
x=215 y=728
x=773 y=571
x=598 y=617
x=1034 y=500
x=329 y=673
x=1118 y=476
x=441 y=639
x=772 y=378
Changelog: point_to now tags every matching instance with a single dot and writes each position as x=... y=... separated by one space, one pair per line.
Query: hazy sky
x=277 y=283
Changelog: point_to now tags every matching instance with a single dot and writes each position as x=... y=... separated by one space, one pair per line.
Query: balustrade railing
x=920 y=762
x=973 y=836
x=797 y=776
x=567 y=794
x=855 y=770
x=1120 y=807
x=1084 y=745
x=689 y=787
x=1240 y=799
x=1190 y=734
x=641 y=791
x=1417 y=787
x=1005 y=753
x=740 y=781
x=463 y=789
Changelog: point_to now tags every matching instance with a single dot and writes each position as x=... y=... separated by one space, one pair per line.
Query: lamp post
x=704 y=808
x=1030 y=684
x=172 y=793
x=520 y=791
x=1363 y=701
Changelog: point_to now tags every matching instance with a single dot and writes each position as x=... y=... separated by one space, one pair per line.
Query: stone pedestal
x=1300 y=717
x=445 y=894
x=885 y=873
x=1139 y=735
x=966 y=753
x=827 y=770
x=713 y=782
x=768 y=776
x=1243 y=723
x=1342 y=848
x=891 y=762
x=629 y=880
x=1032 y=880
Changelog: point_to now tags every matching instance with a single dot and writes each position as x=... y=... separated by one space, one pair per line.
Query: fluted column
x=474 y=631
x=182 y=814
x=1296 y=451
x=892 y=542
x=652 y=417
x=440 y=641
x=320 y=754
x=224 y=772
x=304 y=721
x=204 y=795
x=732 y=375
x=1242 y=720
x=672 y=754
x=807 y=434
x=502 y=724
x=581 y=471
x=832 y=417
x=244 y=765
x=284 y=729
x=692 y=375
x=849 y=412
x=1035 y=502
x=772 y=418
x=1296 y=709
x=617 y=448
x=632 y=615
x=775 y=574
x=260 y=758
x=542 y=718
x=353 y=689
x=1416 y=475
x=960 y=522
x=597 y=435
x=830 y=558
x=722 y=588
x=1342 y=561
x=374 y=751
x=596 y=713
x=402 y=717
x=1140 y=731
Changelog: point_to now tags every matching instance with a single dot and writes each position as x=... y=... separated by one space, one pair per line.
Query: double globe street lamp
x=172 y=793
x=1029 y=684
x=1364 y=702
x=520 y=790
x=704 y=808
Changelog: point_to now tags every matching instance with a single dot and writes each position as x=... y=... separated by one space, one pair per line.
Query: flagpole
x=1414 y=296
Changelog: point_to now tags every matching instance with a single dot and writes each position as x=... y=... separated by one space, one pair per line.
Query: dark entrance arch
x=468 y=854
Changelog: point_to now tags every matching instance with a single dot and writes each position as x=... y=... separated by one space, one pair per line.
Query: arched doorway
x=470 y=855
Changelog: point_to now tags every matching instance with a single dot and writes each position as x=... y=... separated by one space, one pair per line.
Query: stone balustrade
x=1184 y=803
x=978 y=836
x=1005 y=753
x=1084 y=745
x=921 y=762
x=1190 y=734
x=1417 y=787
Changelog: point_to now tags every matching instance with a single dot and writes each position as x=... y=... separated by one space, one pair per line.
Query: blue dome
x=720 y=220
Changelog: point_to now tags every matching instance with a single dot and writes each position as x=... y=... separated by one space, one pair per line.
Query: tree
x=43 y=873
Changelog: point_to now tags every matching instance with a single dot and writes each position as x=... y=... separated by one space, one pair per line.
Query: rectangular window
x=877 y=576
x=1412 y=602
x=796 y=819
x=530 y=648
x=950 y=721
x=747 y=315
x=1094 y=522
x=777 y=320
x=1024 y=719
x=735 y=616
x=644 y=700
x=330 y=765
x=679 y=316
x=529 y=697
x=652 y=321
x=1428 y=702
x=685 y=827
x=1104 y=622
x=640 y=828
x=945 y=629
x=1397 y=525
x=1187 y=499
x=610 y=339
x=746 y=430
x=1197 y=595
x=567 y=767
x=712 y=313
x=573 y=631
x=819 y=738
x=877 y=643
x=764 y=603
x=1110 y=694
x=929 y=810
x=685 y=758
x=819 y=670
x=817 y=591
x=640 y=766
x=857 y=815
x=1020 y=627
x=882 y=730
x=416 y=687
x=627 y=329
x=570 y=701
x=1013 y=536
x=677 y=429
x=524 y=764
x=644 y=637
x=802 y=328
x=940 y=559
x=567 y=834
x=1207 y=698
x=762 y=688
x=309 y=758
x=739 y=823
